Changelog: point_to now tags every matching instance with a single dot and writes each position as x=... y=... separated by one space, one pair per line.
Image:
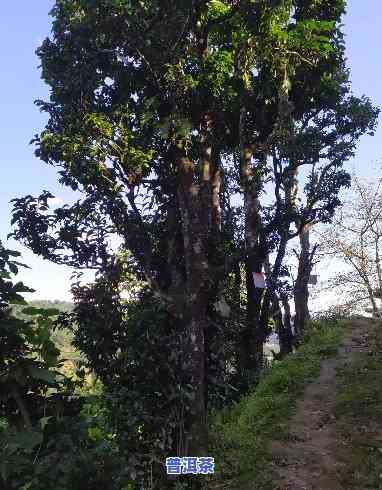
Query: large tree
x=157 y=113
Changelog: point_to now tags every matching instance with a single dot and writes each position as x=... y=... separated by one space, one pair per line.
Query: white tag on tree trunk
x=223 y=308
x=258 y=280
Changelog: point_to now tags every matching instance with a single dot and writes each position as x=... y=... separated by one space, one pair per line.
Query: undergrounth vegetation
x=360 y=405
x=242 y=436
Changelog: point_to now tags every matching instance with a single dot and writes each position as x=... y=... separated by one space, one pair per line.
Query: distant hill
x=64 y=306
x=62 y=338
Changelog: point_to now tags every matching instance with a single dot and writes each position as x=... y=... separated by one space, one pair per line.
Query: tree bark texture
x=199 y=202
x=251 y=351
x=301 y=289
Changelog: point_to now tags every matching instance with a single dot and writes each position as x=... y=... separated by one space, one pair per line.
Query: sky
x=22 y=31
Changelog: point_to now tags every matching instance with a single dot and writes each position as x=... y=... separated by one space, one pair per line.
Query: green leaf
x=13 y=268
x=20 y=287
x=44 y=421
x=42 y=374
x=13 y=253
x=25 y=440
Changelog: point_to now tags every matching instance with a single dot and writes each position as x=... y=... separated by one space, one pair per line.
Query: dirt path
x=307 y=461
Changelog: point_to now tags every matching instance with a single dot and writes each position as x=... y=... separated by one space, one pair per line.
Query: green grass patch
x=241 y=437
x=359 y=416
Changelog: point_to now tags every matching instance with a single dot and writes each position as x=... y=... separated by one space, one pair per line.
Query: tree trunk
x=301 y=289
x=192 y=201
x=273 y=275
x=251 y=351
x=376 y=312
x=286 y=335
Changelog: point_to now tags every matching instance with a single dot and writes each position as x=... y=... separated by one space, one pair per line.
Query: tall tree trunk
x=301 y=289
x=376 y=312
x=194 y=211
x=216 y=179
x=251 y=351
x=286 y=335
x=283 y=325
x=271 y=304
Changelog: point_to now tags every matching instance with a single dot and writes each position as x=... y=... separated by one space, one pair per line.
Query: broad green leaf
x=13 y=253
x=42 y=374
x=25 y=440
x=44 y=421
x=20 y=287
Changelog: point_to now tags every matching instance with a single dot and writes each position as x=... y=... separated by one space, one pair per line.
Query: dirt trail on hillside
x=307 y=461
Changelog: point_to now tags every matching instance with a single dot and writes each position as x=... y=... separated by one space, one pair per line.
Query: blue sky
x=23 y=29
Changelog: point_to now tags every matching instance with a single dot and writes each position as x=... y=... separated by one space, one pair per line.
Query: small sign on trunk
x=259 y=280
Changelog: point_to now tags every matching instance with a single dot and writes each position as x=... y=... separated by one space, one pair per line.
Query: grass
x=359 y=416
x=241 y=437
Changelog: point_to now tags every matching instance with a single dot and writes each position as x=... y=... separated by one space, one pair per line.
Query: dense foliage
x=54 y=432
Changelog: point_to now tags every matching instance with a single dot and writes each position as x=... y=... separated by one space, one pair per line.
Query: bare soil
x=307 y=460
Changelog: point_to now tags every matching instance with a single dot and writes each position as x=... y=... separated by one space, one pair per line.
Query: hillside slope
x=325 y=431
x=314 y=422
